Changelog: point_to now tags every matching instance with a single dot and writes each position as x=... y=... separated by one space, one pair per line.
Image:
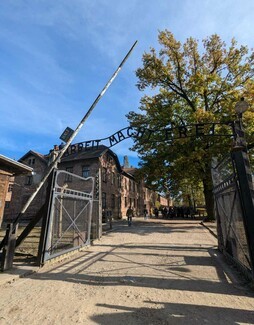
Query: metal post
x=100 y=205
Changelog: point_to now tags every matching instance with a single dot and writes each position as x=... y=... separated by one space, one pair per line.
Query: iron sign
x=67 y=133
x=168 y=134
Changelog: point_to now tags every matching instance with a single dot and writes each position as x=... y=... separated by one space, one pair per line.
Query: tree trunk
x=208 y=193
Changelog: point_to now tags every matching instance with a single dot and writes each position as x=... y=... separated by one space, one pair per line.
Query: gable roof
x=34 y=153
x=91 y=153
x=129 y=172
x=14 y=167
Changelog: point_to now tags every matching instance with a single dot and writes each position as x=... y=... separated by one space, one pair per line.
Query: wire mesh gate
x=69 y=225
x=235 y=236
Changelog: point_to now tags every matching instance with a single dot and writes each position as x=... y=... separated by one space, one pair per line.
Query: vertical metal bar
x=46 y=218
x=100 y=206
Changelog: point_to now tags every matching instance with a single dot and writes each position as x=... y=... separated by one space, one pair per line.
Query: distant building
x=8 y=169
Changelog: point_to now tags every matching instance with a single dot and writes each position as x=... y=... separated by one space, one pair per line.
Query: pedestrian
x=164 y=212
x=145 y=213
x=130 y=215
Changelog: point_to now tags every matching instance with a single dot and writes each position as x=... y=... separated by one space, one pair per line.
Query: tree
x=189 y=87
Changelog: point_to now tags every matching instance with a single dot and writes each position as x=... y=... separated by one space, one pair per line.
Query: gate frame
x=48 y=219
x=241 y=166
x=241 y=179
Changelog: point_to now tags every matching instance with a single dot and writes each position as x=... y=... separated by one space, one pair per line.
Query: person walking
x=130 y=215
x=145 y=213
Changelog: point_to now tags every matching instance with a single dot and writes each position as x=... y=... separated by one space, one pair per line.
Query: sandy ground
x=155 y=272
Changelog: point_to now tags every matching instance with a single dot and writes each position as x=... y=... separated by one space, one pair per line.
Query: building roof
x=14 y=167
x=34 y=153
x=130 y=172
x=91 y=153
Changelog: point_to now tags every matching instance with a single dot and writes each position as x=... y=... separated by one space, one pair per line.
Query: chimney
x=126 y=162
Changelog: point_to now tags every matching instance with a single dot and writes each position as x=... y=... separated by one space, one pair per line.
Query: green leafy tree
x=184 y=85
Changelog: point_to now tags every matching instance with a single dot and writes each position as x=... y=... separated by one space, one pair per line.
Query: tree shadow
x=172 y=313
x=173 y=275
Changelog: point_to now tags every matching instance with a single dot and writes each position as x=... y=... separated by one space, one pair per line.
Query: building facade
x=8 y=169
x=116 y=189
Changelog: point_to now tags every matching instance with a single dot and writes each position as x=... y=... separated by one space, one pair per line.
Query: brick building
x=134 y=193
x=8 y=169
x=118 y=187
x=25 y=185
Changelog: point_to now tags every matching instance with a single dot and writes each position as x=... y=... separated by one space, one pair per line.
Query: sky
x=56 y=57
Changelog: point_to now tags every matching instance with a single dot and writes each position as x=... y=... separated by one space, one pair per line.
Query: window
x=31 y=161
x=7 y=204
x=10 y=187
x=29 y=180
x=104 y=174
x=104 y=200
x=113 y=201
x=68 y=178
x=125 y=202
x=85 y=171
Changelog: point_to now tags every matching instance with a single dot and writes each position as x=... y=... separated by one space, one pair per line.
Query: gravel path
x=155 y=272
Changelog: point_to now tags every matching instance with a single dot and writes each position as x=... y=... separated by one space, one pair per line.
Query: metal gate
x=234 y=206
x=69 y=223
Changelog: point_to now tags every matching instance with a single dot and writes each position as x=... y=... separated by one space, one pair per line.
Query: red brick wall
x=21 y=192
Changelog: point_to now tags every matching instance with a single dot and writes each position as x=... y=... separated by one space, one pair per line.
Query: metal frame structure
x=234 y=210
x=70 y=213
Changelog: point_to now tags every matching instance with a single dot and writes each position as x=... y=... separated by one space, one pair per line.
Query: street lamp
x=240 y=108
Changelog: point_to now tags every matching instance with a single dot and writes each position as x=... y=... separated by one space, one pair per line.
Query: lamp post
x=240 y=142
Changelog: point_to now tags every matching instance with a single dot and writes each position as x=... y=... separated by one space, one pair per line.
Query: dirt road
x=155 y=272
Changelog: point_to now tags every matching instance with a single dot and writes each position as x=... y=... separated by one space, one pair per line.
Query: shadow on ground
x=160 y=313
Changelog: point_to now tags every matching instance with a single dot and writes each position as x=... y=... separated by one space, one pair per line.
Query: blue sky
x=56 y=56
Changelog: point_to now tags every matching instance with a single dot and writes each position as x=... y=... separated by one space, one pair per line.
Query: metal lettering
x=80 y=146
x=182 y=131
x=199 y=129
x=73 y=148
x=87 y=145
x=128 y=131
x=168 y=134
x=120 y=136
x=112 y=139
x=97 y=143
